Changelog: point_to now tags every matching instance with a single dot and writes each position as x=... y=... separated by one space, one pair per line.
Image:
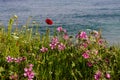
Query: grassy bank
x=28 y=55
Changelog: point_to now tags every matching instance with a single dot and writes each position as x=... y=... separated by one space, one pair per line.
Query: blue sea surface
x=73 y=15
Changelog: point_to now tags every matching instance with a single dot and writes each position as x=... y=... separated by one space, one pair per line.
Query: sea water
x=73 y=15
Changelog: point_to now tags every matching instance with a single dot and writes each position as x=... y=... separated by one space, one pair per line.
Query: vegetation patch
x=27 y=55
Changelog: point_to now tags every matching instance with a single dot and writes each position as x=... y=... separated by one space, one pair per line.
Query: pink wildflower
x=61 y=46
x=96 y=34
x=55 y=40
x=28 y=72
x=9 y=59
x=31 y=65
x=54 y=43
x=89 y=64
x=107 y=75
x=86 y=55
x=65 y=36
x=23 y=58
x=52 y=46
x=64 y=30
x=59 y=29
x=100 y=41
x=97 y=75
x=96 y=52
x=17 y=60
x=43 y=49
x=82 y=35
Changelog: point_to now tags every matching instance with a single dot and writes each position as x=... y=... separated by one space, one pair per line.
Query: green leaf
x=72 y=73
x=73 y=64
x=2 y=69
x=79 y=73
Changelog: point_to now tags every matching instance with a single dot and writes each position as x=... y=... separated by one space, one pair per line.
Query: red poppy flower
x=49 y=21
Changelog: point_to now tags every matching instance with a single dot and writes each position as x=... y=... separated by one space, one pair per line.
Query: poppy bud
x=49 y=21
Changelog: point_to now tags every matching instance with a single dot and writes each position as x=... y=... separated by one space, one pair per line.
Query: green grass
x=55 y=64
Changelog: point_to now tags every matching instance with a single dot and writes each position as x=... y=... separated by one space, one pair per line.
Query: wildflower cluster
x=28 y=72
x=82 y=35
x=97 y=75
x=60 y=29
x=16 y=60
x=43 y=49
x=86 y=56
x=56 y=44
x=91 y=55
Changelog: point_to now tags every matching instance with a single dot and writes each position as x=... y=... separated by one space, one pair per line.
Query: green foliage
x=55 y=64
